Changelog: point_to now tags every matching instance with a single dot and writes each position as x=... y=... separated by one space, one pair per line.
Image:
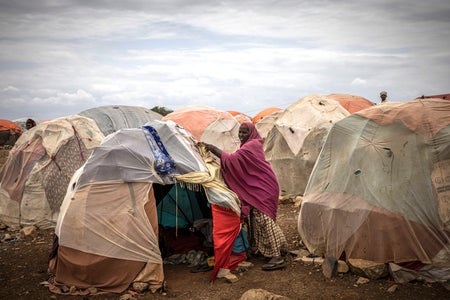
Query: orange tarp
x=240 y=117
x=6 y=125
x=196 y=118
x=264 y=112
x=350 y=102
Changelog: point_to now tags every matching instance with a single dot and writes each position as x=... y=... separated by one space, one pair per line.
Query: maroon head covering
x=250 y=176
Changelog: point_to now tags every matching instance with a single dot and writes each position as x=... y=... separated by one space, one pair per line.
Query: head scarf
x=250 y=176
x=253 y=132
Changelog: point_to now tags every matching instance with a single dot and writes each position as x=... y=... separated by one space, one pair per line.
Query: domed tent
x=9 y=132
x=265 y=112
x=265 y=124
x=351 y=103
x=380 y=191
x=240 y=117
x=111 y=118
x=294 y=142
x=34 y=179
x=208 y=125
x=119 y=205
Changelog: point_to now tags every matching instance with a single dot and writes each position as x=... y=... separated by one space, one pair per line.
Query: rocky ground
x=23 y=272
x=23 y=267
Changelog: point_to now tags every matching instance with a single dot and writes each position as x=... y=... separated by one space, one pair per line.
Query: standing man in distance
x=383 y=96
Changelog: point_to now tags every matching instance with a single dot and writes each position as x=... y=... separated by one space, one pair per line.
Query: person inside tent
x=247 y=172
x=30 y=124
x=383 y=96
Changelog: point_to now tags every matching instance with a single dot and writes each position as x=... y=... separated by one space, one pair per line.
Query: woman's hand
x=213 y=149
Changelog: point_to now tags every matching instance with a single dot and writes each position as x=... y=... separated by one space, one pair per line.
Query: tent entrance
x=184 y=219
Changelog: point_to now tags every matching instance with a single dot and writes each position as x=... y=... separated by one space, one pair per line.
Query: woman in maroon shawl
x=247 y=172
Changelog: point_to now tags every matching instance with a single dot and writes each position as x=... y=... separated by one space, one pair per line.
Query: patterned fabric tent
x=34 y=179
x=380 y=188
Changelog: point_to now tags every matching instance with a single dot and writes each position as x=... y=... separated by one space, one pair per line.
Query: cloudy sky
x=60 y=57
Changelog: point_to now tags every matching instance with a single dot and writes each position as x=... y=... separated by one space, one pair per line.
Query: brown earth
x=23 y=266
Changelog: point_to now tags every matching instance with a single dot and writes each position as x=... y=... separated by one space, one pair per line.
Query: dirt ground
x=23 y=266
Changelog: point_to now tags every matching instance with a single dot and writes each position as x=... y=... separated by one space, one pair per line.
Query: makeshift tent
x=351 y=103
x=240 y=117
x=34 y=179
x=9 y=132
x=380 y=188
x=265 y=124
x=264 y=113
x=294 y=142
x=208 y=125
x=133 y=185
x=111 y=118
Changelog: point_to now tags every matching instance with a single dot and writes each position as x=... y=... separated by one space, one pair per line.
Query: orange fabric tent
x=264 y=112
x=240 y=117
x=350 y=102
x=9 y=132
x=208 y=125
x=7 y=125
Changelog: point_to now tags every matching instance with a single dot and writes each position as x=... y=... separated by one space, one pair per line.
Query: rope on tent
x=176 y=209
x=79 y=143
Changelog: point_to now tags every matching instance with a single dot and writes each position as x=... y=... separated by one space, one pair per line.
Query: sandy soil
x=23 y=266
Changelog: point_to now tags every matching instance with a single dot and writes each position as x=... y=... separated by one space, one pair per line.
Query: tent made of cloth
x=265 y=124
x=34 y=179
x=120 y=199
x=351 y=103
x=111 y=118
x=265 y=112
x=208 y=125
x=9 y=132
x=296 y=138
x=380 y=188
x=240 y=117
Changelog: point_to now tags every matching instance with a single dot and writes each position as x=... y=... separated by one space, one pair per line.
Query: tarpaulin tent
x=34 y=179
x=9 y=132
x=265 y=124
x=265 y=112
x=351 y=103
x=208 y=125
x=111 y=118
x=108 y=229
x=294 y=142
x=380 y=188
x=240 y=117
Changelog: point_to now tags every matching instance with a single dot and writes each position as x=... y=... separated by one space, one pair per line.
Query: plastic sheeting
x=380 y=188
x=104 y=207
x=126 y=156
x=112 y=118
